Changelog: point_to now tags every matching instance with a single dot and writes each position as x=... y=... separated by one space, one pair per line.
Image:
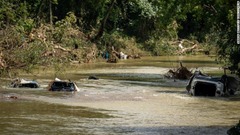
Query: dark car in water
x=59 y=85
x=235 y=130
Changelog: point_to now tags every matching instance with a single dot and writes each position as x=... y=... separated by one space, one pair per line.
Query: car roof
x=208 y=78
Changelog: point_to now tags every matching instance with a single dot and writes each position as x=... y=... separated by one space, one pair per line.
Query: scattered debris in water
x=181 y=73
x=93 y=78
x=13 y=97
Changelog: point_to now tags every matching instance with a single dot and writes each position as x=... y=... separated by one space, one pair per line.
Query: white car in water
x=22 y=83
x=203 y=85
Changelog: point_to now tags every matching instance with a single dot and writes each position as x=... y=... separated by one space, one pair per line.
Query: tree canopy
x=213 y=22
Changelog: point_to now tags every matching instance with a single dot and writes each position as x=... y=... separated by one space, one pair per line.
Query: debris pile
x=181 y=73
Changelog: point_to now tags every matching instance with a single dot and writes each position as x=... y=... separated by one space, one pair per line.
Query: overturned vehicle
x=60 y=85
x=203 y=85
x=22 y=83
x=235 y=130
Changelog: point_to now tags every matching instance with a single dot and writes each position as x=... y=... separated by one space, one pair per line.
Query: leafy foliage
x=153 y=23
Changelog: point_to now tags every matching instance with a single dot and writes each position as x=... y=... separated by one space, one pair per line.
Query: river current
x=131 y=97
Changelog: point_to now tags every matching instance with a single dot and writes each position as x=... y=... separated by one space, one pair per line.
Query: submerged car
x=235 y=130
x=59 y=85
x=22 y=83
x=203 y=85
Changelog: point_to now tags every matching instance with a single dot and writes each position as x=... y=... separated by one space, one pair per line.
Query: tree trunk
x=39 y=11
x=50 y=13
x=103 y=22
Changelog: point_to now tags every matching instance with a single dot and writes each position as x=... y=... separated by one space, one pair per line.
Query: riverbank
x=202 y=62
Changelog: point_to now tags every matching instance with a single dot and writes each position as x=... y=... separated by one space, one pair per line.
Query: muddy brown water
x=131 y=97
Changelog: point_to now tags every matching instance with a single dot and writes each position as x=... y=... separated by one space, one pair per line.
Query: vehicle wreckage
x=235 y=130
x=60 y=85
x=204 y=85
x=22 y=83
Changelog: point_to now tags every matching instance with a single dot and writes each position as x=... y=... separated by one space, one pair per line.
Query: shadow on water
x=172 y=130
x=173 y=61
x=131 y=76
x=172 y=92
x=188 y=61
x=19 y=107
x=235 y=97
x=32 y=117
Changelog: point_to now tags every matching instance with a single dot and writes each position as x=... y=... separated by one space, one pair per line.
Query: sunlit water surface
x=131 y=97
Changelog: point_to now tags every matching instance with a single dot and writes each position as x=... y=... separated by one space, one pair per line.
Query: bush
x=30 y=56
x=159 y=47
x=127 y=45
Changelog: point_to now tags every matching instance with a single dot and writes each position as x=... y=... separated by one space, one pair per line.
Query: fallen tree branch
x=189 y=49
x=61 y=48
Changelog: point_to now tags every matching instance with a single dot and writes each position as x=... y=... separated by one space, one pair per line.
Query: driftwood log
x=115 y=56
x=2 y=61
x=181 y=73
x=189 y=49
x=186 y=46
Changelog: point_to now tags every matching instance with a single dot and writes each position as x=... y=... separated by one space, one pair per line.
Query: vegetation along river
x=131 y=97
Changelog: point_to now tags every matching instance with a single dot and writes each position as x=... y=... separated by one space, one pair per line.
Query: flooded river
x=131 y=97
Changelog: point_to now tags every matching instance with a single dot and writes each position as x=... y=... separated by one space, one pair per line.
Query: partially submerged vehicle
x=235 y=130
x=203 y=85
x=22 y=83
x=60 y=85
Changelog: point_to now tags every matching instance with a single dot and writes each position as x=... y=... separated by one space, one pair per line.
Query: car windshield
x=62 y=84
